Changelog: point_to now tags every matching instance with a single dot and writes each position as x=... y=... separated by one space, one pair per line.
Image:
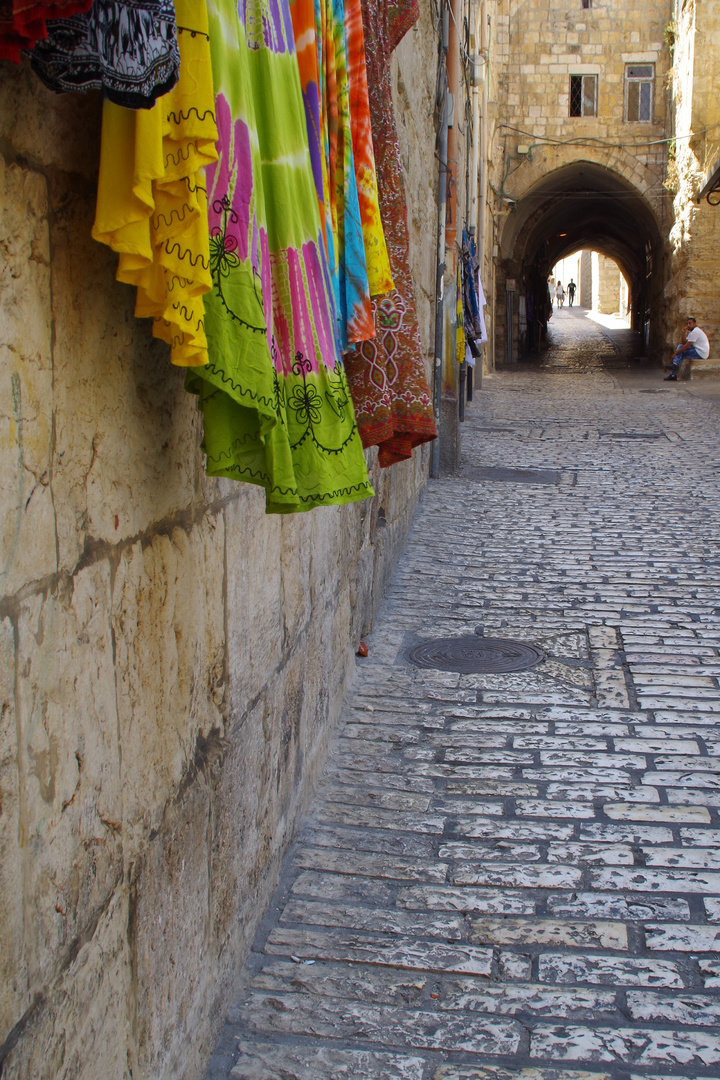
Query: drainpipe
x=442 y=210
x=483 y=136
x=453 y=82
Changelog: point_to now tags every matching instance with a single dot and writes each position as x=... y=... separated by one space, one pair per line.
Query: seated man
x=696 y=346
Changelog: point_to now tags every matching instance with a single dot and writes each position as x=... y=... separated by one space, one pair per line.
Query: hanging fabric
x=274 y=396
x=23 y=22
x=387 y=374
x=378 y=262
x=473 y=296
x=151 y=205
x=126 y=48
x=459 y=316
x=352 y=289
x=302 y=13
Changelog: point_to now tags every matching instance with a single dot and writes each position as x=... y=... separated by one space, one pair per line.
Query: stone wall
x=537 y=48
x=608 y=286
x=692 y=288
x=172 y=661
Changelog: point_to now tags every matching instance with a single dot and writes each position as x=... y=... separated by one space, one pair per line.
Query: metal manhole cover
x=473 y=655
x=499 y=474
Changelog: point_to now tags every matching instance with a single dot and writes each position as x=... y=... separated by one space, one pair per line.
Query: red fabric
x=387 y=377
x=22 y=22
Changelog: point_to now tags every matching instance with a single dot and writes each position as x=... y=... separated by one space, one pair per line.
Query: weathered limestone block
x=126 y=430
x=172 y=941
x=253 y=547
x=270 y=762
x=60 y=130
x=295 y=602
x=14 y=992
x=27 y=525
x=81 y=1031
x=70 y=826
x=167 y=617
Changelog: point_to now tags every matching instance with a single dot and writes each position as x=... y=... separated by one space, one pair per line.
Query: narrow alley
x=518 y=874
x=359 y=597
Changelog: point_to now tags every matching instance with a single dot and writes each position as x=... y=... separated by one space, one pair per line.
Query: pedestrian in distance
x=571 y=292
x=695 y=347
x=559 y=294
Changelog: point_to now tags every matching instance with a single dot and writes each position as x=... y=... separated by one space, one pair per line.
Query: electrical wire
x=593 y=140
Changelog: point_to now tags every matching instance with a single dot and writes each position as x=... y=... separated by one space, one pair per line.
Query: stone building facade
x=695 y=245
x=172 y=661
x=579 y=117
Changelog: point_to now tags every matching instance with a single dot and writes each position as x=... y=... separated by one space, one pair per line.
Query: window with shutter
x=639 y=80
x=583 y=95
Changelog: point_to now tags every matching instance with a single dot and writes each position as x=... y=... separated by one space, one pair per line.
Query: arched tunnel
x=582 y=205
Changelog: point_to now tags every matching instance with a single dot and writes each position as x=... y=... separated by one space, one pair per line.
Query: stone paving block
x=499 y=1072
x=686 y=1009
x=579 y=775
x=593 y=905
x=682 y=797
x=381 y=841
x=467 y=900
x=532 y=876
x=658 y=746
x=490 y=787
x=386 y=950
x=591 y=854
x=511 y=965
x=354 y=981
x=386 y=800
x=315 y=885
x=710 y=973
x=608 y=970
x=547 y=808
x=380 y=866
x=529 y=999
x=459 y=808
x=647 y=880
x=671 y=762
x=300 y=1014
x=378 y=818
x=712 y=908
x=682 y=937
x=631 y=833
x=382 y=782
x=588 y=935
x=684 y=814
x=692 y=858
x=641 y=1046
x=385 y=920
x=609 y=728
x=700 y=837
x=265 y=1061
x=590 y=792
x=516 y=830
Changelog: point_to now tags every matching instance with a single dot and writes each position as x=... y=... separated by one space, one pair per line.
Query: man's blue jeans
x=689 y=354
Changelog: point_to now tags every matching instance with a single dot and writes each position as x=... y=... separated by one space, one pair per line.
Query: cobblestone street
x=518 y=875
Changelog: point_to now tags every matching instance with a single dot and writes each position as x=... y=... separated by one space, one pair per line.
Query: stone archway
x=579 y=204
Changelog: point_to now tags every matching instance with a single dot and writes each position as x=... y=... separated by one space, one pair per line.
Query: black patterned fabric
x=127 y=48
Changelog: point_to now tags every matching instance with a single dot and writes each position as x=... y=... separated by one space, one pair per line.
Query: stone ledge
x=698 y=369
x=703 y=369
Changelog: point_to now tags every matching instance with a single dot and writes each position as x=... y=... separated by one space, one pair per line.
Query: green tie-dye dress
x=274 y=396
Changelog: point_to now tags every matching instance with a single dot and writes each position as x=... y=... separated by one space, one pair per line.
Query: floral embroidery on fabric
x=387 y=376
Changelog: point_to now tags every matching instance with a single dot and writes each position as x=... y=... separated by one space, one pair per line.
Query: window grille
x=639 y=80
x=583 y=95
